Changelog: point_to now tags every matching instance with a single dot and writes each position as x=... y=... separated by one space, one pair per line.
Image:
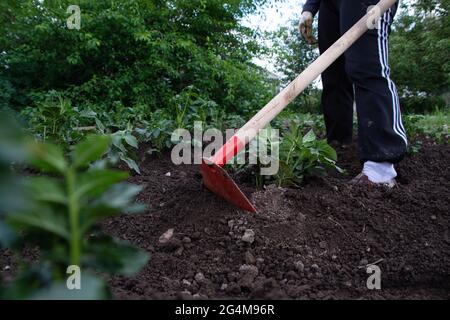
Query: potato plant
x=303 y=156
x=55 y=120
x=68 y=199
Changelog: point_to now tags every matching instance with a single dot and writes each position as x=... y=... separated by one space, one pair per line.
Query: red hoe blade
x=219 y=181
x=214 y=177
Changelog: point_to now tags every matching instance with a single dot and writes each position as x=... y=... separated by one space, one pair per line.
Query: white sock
x=379 y=172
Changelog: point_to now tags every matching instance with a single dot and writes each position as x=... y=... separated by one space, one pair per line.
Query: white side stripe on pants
x=396 y=102
x=385 y=72
x=399 y=113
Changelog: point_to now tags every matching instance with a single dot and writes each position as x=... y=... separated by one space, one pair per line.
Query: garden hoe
x=215 y=178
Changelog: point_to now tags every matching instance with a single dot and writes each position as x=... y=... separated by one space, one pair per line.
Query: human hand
x=306 y=27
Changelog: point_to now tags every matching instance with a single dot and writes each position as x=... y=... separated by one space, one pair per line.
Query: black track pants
x=362 y=75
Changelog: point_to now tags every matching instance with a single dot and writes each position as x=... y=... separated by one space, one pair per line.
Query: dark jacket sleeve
x=312 y=6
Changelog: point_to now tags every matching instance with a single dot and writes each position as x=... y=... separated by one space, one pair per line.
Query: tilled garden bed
x=309 y=243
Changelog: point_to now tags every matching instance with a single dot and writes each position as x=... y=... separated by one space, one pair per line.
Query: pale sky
x=274 y=16
x=271 y=18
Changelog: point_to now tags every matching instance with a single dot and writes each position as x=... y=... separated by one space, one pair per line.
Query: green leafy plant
x=12 y=151
x=300 y=156
x=54 y=119
x=435 y=126
x=122 y=147
x=157 y=131
x=303 y=156
x=68 y=201
x=122 y=141
x=265 y=141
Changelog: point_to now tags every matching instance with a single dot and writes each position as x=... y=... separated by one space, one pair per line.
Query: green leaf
x=309 y=137
x=13 y=195
x=131 y=140
x=47 y=190
x=121 y=196
x=95 y=182
x=117 y=141
x=327 y=151
x=44 y=219
x=340 y=170
x=47 y=157
x=7 y=235
x=119 y=199
x=28 y=280
x=93 y=148
x=92 y=288
x=114 y=257
x=131 y=163
x=12 y=146
x=100 y=125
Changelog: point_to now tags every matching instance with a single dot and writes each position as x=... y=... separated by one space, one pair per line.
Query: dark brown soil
x=310 y=243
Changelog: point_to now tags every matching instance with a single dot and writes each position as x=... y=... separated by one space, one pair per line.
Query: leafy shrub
x=54 y=119
x=67 y=202
x=133 y=57
x=421 y=104
x=305 y=122
x=304 y=156
x=122 y=147
x=12 y=151
x=435 y=125
x=158 y=130
x=301 y=156
x=6 y=93
x=420 y=53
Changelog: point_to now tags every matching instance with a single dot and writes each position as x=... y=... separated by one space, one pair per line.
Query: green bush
x=131 y=58
x=64 y=206
x=421 y=105
x=54 y=119
x=304 y=156
x=301 y=155
x=435 y=126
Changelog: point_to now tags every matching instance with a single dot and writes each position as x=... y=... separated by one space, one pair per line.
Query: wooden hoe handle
x=282 y=100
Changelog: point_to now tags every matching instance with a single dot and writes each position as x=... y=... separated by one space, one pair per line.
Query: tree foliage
x=293 y=55
x=420 y=53
x=131 y=53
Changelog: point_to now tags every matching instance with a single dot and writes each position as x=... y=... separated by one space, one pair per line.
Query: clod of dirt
x=292 y=275
x=166 y=237
x=187 y=240
x=200 y=277
x=186 y=283
x=315 y=268
x=185 y=295
x=323 y=245
x=299 y=266
x=250 y=258
x=169 y=243
x=249 y=236
x=248 y=274
x=179 y=251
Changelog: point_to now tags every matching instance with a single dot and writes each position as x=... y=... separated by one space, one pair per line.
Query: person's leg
x=382 y=137
x=337 y=96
